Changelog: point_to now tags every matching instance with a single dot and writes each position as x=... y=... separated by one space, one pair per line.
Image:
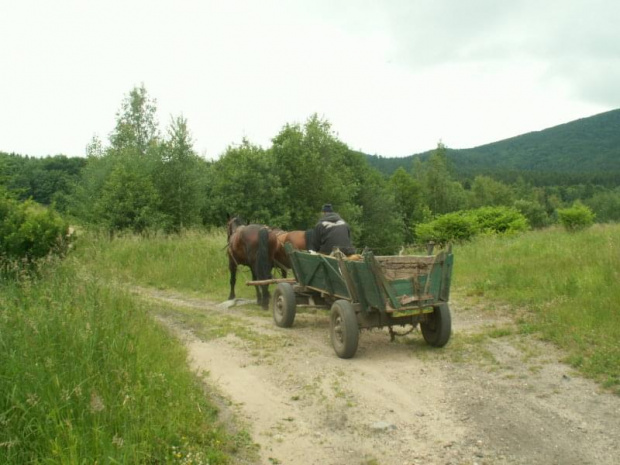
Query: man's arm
x=316 y=239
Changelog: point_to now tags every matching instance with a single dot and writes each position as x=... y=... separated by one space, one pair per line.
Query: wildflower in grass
x=32 y=399
x=96 y=403
x=9 y=444
x=118 y=441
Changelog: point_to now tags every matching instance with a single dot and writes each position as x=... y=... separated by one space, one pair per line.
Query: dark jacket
x=331 y=231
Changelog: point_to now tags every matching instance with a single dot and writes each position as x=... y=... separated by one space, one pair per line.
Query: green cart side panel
x=319 y=272
x=369 y=285
x=446 y=281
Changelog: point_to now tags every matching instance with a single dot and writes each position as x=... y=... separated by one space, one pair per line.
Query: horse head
x=233 y=223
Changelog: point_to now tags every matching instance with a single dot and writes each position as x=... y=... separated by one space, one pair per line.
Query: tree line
x=143 y=179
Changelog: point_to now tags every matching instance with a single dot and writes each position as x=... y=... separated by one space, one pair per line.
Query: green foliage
x=87 y=376
x=451 y=227
x=534 y=212
x=577 y=217
x=45 y=180
x=605 y=205
x=29 y=231
x=487 y=191
x=140 y=182
x=381 y=225
x=464 y=225
x=499 y=220
x=314 y=167
x=409 y=200
x=129 y=201
x=441 y=192
x=136 y=125
x=244 y=182
x=177 y=177
x=566 y=283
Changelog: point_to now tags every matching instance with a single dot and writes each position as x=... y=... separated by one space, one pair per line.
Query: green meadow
x=87 y=374
x=563 y=286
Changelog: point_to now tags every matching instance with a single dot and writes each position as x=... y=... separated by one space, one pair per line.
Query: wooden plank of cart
x=371 y=292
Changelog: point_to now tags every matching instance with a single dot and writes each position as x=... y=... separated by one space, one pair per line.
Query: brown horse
x=254 y=246
x=298 y=239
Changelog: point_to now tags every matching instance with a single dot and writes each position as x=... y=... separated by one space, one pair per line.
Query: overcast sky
x=393 y=77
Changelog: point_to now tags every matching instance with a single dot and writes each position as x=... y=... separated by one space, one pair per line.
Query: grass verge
x=193 y=261
x=566 y=282
x=86 y=376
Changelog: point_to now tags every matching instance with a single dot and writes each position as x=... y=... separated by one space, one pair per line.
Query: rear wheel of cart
x=438 y=326
x=343 y=329
x=284 y=305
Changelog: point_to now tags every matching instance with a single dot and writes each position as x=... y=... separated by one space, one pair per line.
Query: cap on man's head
x=327 y=208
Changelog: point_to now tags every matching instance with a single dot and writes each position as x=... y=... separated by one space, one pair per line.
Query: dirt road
x=490 y=397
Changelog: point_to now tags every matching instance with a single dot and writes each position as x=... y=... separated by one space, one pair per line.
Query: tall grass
x=193 y=261
x=86 y=376
x=568 y=283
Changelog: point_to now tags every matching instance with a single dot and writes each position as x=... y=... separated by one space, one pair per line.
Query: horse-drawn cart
x=371 y=292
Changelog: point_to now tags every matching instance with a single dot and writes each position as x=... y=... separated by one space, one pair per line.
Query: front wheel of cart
x=343 y=329
x=438 y=326
x=284 y=305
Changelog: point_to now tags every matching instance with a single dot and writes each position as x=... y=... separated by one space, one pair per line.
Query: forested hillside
x=585 y=150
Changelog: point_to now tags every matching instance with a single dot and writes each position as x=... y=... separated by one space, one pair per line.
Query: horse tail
x=263 y=267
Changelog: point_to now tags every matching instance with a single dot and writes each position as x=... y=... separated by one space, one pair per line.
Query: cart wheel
x=284 y=305
x=343 y=329
x=436 y=330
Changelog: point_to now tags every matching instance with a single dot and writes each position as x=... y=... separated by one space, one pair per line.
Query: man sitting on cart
x=331 y=231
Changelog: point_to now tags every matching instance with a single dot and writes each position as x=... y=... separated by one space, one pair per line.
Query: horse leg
x=266 y=296
x=280 y=267
x=258 y=293
x=233 y=279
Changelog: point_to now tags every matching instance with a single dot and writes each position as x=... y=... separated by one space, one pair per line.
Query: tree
x=409 y=200
x=243 y=182
x=382 y=228
x=117 y=186
x=487 y=191
x=136 y=126
x=313 y=168
x=441 y=193
x=178 y=176
x=129 y=201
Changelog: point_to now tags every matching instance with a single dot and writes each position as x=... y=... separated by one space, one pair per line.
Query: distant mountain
x=584 y=147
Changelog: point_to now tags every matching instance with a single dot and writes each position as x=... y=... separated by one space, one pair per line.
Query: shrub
x=463 y=225
x=502 y=220
x=447 y=228
x=534 y=212
x=577 y=217
x=29 y=231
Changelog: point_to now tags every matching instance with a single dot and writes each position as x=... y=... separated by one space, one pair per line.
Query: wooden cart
x=372 y=292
